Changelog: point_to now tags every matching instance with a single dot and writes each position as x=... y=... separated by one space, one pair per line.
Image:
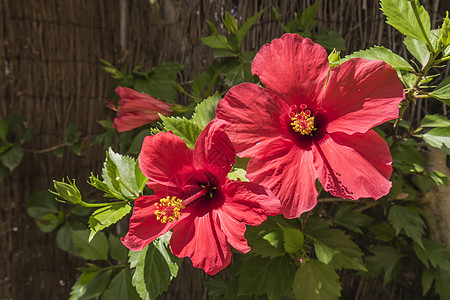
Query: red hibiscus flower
x=136 y=109
x=312 y=122
x=207 y=211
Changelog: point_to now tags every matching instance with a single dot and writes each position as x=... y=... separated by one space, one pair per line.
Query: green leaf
x=381 y=53
x=439 y=138
x=293 y=239
x=266 y=239
x=96 y=249
x=12 y=157
x=409 y=220
x=407 y=158
x=400 y=15
x=426 y=281
x=49 y=222
x=307 y=17
x=242 y=32
x=152 y=275
x=433 y=254
x=121 y=287
x=387 y=260
x=323 y=252
x=442 y=283
x=138 y=139
x=256 y=276
x=442 y=93
x=383 y=231
x=106 y=216
x=418 y=49
x=435 y=121
x=41 y=203
x=230 y=23
x=205 y=111
x=331 y=40
x=238 y=174
x=173 y=262
x=215 y=41
x=346 y=217
x=90 y=284
x=186 y=129
x=64 y=238
x=235 y=72
x=3 y=130
x=116 y=249
x=348 y=254
x=316 y=281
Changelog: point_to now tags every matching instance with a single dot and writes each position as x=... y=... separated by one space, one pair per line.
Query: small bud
x=334 y=57
x=444 y=37
x=68 y=192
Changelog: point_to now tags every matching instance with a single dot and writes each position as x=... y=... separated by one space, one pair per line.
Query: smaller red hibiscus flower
x=136 y=109
x=193 y=195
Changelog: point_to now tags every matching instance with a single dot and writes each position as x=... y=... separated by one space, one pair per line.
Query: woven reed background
x=51 y=76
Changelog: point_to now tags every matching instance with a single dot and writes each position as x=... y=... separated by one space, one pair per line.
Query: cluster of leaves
x=308 y=255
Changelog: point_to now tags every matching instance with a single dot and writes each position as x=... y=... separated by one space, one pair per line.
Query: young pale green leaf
x=242 y=32
x=435 y=121
x=256 y=276
x=96 y=249
x=152 y=275
x=230 y=23
x=439 y=138
x=90 y=284
x=216 y=41
x=409 y=220
x=433 y=254
x=316 y=281
x=205 y=111
x=293 y=238
x=106 y=216
x=418 y=49
x=125 y=172
x=323 y=252
x=12 y=157
x=386 y=260
x=266 y=239
x=381 y=53
x=186 y=129
x=346 y=217
x=400 y=15
x=121 y=287
x=238 y=174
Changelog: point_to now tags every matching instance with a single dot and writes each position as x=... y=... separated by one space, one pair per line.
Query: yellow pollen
x=168 y=209
x=303 y=123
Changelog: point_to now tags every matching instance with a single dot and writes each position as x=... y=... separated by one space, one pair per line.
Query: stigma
x=302 y=121
x=168 y=209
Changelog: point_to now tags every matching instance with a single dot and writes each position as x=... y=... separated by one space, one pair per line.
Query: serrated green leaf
x=381 y=53
x=236 y=72
x=439 y=138
x=348 y=254
x=266 y=239
x=116 y=249
x=435 y=121
x=90 y=284
x=331 y=40
x=152 y=275
x=293 y=239
x=418 y=49
x=442 y=282
x=316 y=281
x=121 y=287
x=383 y=231
x=12 y=157
x=96 y=249
x=400 y=15
x=433 y=254
x=238 y=174
x=125 y=172
x=442 y=93
x=256 y=276
x=215 y=41
x=242 y=32
x=186 y=129
x=106 y=216
x=323 y=252
x=407 y=158
x=386 y=260
x=409 y=220
x=205 y=111
x=345 y=216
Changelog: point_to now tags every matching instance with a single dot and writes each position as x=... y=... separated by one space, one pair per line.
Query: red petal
x=234 y=230
x=255 y=117
x=144 y=227
x=289 y=172
x=354 y=166
x=213 y=150
x=164 y=157
x=293 y=67
x=361 y=94
x=203 y=242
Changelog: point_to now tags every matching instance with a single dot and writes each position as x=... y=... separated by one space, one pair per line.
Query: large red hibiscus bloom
x=207 y=211
x=312 y=122
x=136 y=109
